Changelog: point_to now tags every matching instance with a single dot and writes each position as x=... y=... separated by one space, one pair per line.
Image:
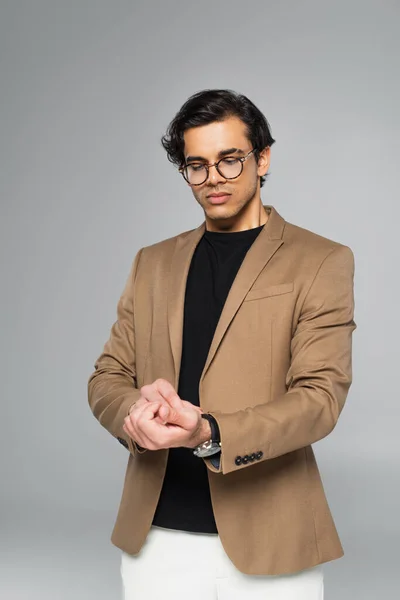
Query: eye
x=229 y=161
x=195 y=166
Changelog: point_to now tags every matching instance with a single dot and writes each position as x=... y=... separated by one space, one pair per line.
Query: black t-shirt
x=185 y=501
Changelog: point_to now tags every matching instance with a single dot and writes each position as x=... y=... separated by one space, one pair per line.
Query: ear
x=264 y=161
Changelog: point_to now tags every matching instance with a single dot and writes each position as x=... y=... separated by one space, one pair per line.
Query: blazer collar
x=259 y=254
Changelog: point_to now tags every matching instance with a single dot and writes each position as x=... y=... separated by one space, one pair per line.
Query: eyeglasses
x=196 y=173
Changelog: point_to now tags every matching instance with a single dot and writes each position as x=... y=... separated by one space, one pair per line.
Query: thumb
x=168 y=414
x=164 y=413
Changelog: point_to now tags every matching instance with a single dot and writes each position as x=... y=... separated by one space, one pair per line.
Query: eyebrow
x=221 y=154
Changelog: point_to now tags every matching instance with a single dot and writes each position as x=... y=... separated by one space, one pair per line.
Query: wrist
x=203 y=433
x=212 y=444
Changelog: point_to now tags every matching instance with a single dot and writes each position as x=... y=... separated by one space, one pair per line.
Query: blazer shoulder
x=164 y=247
x=305 y=240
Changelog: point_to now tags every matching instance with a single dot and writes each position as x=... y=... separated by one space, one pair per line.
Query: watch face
x=208 y=450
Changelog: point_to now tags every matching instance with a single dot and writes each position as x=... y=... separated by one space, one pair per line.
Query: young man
x=231 y=355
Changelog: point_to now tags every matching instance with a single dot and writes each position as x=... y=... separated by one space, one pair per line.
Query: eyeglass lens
x=229 y=168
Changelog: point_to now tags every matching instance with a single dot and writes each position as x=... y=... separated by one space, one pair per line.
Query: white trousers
x=178 y=565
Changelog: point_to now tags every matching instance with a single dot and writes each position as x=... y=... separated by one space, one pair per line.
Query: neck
x=251 y=216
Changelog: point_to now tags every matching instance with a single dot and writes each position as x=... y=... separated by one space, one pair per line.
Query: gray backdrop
x=87 y=89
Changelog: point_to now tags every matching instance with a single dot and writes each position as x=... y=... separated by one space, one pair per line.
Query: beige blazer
x=276 y=378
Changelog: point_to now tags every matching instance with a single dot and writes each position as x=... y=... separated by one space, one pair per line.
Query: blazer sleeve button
x=252 y=457
x=238 y=460
x=245 y=459
x=259 y=454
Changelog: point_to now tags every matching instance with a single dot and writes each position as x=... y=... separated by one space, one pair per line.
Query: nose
x=213 y=176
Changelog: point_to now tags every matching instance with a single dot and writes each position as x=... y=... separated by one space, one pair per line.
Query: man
x=231 y=355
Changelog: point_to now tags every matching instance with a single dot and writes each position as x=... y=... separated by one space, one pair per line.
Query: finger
x=186 y=418
x=132 y=433
x=130 y=428
x=150 y=411
x=172 y=435
x=132 y=419
x=150 y=427
x=133 y=424
x=164 y=413
x=139 y=438
x=187 y=404
x=168 y=392
x=151 y=393
x=138 y=404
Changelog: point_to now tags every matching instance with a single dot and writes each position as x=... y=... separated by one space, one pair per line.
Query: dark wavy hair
x=208 y=106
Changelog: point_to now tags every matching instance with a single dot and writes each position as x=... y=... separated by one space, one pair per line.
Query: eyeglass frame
x=207 y=166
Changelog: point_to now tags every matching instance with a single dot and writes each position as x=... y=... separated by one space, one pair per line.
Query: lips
x=217 y=195
x=218 y=198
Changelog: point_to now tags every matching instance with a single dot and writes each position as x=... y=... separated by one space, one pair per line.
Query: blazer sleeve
x=112 y=386
x=317 y=381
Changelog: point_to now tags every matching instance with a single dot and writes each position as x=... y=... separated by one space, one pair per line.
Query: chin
x=219 y=212
x=228 y=209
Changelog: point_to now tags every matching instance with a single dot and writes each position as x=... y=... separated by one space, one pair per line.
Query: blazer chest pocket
x=271 y=290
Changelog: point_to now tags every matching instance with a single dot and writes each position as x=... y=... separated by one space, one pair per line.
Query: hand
x=162 y=391
x=161 y=419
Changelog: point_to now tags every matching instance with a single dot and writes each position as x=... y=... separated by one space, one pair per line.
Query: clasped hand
x=161 y=419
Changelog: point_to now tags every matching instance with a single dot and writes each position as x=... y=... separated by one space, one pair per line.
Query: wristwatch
x=213 y=445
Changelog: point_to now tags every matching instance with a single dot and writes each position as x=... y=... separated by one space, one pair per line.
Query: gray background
x=87 y=89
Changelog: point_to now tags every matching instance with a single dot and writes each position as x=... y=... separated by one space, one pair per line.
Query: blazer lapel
x=259 y=254
x=182 y=257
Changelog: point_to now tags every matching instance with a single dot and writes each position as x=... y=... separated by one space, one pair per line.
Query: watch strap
x=215 y=434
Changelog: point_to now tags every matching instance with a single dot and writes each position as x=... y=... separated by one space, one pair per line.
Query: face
x=240 y=207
